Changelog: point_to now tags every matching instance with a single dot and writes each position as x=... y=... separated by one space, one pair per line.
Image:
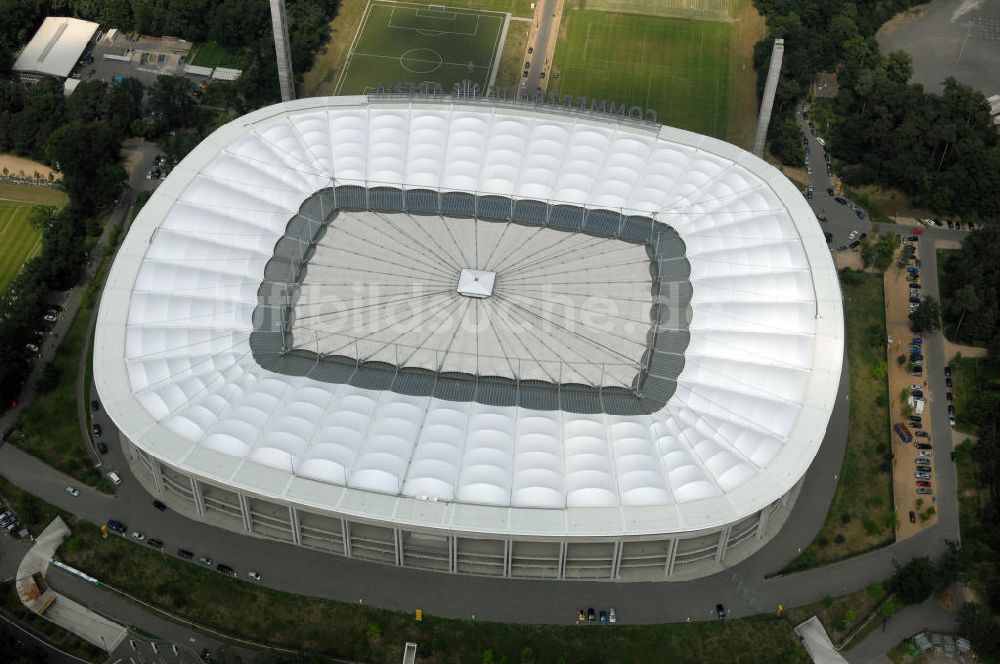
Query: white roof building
x=287 y=317
x=56 y=47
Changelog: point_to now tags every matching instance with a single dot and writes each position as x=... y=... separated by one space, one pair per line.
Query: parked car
x=922 y=434
x=95 y=405
x=155 y=543
x=923 y=469
x=32 y=348
x=49 y=318
x=115 y=478
x=73 y=491
x=117 y=526
x=947 y=371
x=207 y=562
x=840 y=199
x=102 y=448
x=948 y=396
x=612 y=616
x=226 y=569
x=951 y=409
x=922 y=476
x=924 y=491
x=924 y=446
x=136 y=535
x=159 y=505
x=256 y=577
x=923 y=483
x=924 y=453
x=96 y=428
x=604 y=617
x=185 y=554
x=913 y=516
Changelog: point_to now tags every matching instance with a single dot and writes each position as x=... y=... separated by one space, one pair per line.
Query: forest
x=938 y=148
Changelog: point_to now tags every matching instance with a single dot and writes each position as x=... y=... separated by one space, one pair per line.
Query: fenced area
x=705 y=10
x=678 y=67
x=417 y=43
x=19 y=240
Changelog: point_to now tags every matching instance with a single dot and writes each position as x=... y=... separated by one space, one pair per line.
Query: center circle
x=420 y=60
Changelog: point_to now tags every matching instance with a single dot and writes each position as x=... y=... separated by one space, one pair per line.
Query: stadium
x=475 y=336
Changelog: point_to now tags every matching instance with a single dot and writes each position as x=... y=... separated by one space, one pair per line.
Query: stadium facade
x=475 y=337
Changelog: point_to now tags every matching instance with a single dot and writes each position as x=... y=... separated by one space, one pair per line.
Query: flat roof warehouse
x=374 y=427
x=56 y=47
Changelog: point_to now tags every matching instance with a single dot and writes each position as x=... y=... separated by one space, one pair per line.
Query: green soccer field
x=19 y=241
x=679 y=67
x=409 y=43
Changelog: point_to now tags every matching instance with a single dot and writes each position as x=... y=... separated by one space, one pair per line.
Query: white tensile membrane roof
x=761 y=371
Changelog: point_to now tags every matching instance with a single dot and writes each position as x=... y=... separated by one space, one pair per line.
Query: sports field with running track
x=679 y=67
x=411 y=43
x=19 y=241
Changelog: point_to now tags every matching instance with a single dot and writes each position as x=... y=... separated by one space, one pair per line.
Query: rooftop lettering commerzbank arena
x=475 y=336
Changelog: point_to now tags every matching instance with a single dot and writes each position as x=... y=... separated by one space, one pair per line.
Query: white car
x=73 y=491
x=254 y=575
x=136 y=535
x=612 y=616
x=853 y=235
x=821 y=141
x=50 y=318
x=925 y=453
x=31 y=347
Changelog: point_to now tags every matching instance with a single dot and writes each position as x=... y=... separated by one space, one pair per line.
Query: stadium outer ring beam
x=240 y=494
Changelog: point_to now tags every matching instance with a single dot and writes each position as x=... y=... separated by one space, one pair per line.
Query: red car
x=923 y=483
x=917 y=231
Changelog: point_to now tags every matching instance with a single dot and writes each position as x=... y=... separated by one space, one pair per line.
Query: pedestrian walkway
x=39 y=598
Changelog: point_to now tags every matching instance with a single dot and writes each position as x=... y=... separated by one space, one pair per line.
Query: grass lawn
x=19 y=240
x=512 y=59
x=711 y=10
x=861 y=515
x=679 y=67
x=400 y=43
x=210 y=54
x=975 y=390
x=842 y=615
x=22 y=193
x=48 y=429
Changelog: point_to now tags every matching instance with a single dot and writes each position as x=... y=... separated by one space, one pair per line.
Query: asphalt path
x=542 y=38
x=840 y=219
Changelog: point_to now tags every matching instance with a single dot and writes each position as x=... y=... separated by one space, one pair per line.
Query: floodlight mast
x=279 y=24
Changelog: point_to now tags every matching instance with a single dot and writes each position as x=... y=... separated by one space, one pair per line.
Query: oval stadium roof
x=285 y=317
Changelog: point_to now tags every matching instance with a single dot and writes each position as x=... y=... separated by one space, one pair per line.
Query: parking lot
x=914 y=479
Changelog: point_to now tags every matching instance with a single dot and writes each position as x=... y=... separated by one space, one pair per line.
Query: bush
x=49 y=378
x=916 y=581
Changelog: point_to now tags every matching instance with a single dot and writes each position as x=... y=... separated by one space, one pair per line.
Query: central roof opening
x=541 y=304
x=587 y=312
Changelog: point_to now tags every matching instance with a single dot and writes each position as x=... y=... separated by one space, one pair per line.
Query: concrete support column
x=671 y=556
x=245 y=511
x=293 y=518
x=157 y=475
x=397 y=540
x=765 y=516
x=282 y=50
x=507 y=555
x=199 y=502
x=452 y=554
x=562 y=559
x=720 y=550
x=346 y=528
x=616 y=560
x=767 y=102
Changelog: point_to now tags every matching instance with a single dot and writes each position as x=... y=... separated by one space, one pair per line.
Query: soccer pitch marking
x=425 y=11
x=432 y=33
x=694 y=49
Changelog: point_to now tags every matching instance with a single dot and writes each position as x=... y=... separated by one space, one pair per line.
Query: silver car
x=922 y=476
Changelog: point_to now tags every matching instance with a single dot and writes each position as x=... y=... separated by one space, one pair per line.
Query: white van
x=821 y=141
x=115 y=479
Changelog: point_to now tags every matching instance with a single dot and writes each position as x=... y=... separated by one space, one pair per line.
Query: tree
x=916 y=581
x=927 y=316
x=964 y=301
x=976 y=623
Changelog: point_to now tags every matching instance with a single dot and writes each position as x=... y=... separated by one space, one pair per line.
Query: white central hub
x=476 y=283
